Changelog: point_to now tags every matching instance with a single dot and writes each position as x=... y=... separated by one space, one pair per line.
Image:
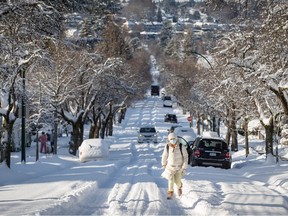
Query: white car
x=187 y=133
x=167 y=101
x=147 y=134
x=93 y=149
x=210 y=134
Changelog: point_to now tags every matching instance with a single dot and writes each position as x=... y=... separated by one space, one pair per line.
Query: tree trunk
x=1 y=144
x=218 y=128
x=203 y=126
x=234 y=137
x=96 y=124
x=7 y=142
x=214 y=124
x=245 y=127
x=210 y=125
x=95 y=128
x=228 y=136
x=92 y=131
x=109 y=121
x=76 y=136
x=103 y=129
x=233 y=127
x=121 y=115
x=269 y=131
x=281 y=95
x=198 y=126
x=110 y=125
x=234 y=144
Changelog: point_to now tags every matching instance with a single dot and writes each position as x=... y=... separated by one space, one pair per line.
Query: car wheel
x=226 y=166
x=193 y=163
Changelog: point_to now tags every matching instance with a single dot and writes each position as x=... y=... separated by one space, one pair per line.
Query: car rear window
x=167 y=98
x=147 y=130
x=213 y=144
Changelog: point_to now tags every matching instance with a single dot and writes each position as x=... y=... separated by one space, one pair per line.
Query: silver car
x=167 y=101
x=147 y=134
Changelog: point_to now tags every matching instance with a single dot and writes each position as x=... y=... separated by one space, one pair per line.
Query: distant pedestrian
x=174 y=160
x=43 y=141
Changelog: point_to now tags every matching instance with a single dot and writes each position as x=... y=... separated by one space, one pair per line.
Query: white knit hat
x=172 y=136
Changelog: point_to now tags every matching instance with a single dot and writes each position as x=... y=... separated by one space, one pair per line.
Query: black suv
x=210 y=151
x=170 y=118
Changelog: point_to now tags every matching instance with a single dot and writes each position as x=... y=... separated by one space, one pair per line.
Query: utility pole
x=1 y=144
x=37 y=126
x=23 y=150
x=37 y=143
x=55 y=134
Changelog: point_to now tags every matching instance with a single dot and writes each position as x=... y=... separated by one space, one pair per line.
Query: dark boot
x=180 y=190
x=169 y=194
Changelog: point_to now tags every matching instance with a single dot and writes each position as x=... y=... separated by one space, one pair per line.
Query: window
x=147 y=130
x=213 y=144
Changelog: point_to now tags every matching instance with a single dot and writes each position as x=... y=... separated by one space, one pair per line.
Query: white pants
x=176 y=179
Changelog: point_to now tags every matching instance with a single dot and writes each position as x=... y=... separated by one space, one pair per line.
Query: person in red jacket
x=43 y=141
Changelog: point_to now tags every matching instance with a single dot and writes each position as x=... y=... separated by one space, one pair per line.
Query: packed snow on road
x=129 y=182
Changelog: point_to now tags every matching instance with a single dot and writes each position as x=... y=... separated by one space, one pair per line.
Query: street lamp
x=55 y=134
x=23 y=132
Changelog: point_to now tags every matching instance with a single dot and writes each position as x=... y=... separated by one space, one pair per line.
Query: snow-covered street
x=130 y=182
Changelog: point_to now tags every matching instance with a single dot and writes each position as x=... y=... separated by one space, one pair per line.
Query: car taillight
x=227 y=155
x=197 y=153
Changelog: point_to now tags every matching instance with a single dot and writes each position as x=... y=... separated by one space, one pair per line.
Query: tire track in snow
x=135 y=185
x=95 y=199
x=139 y=189
x=207 y=194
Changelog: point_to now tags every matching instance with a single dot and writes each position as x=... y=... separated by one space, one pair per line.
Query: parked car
x=167 y=101
x=163 y=93
x=210 y=133
x=147 y=134
x=210 y=151
x=170 y=118
x=93 y=149
x=187 y=133
x=172 y=128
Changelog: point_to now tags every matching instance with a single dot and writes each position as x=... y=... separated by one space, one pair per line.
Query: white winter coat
x=173 y=159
